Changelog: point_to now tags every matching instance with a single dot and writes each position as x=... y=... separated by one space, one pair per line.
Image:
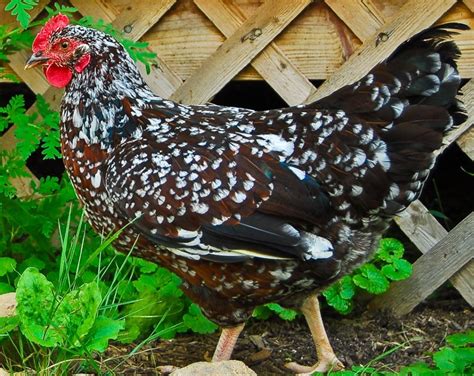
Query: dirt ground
x=266 y=346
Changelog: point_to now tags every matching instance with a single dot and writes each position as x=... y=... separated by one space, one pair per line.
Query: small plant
x=374 y=277
x=92 y=298
x=455 y=359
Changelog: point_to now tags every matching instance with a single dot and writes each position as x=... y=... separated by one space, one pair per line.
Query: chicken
x=249 y=207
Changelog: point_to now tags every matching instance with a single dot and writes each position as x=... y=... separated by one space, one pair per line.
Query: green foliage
x=265 y=311
x=20 y=8
x=373 y=277
x=456 y=359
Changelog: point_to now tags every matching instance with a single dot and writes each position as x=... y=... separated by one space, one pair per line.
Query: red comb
x=55 y=23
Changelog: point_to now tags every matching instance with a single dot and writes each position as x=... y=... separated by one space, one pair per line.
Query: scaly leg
x=226 y=343
x=327 y=360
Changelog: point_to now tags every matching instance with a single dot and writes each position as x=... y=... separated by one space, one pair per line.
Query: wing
x=218 y=202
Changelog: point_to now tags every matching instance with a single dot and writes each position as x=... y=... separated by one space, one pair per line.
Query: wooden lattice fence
x=202 y=45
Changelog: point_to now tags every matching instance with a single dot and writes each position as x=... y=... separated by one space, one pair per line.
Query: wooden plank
x=420 y=226
x=469 y=4
x=238 y=50
x=34 y=78
x=272 y=64
x=312 y=42
x=97 y=9
x=466 y=143
x=431 y=270
x=136 y=20
x=414 y=16
x=425 y=232
x=362 y=16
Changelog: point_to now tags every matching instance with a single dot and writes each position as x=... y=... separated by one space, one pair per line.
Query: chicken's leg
x=226 y=343
x=327 y=360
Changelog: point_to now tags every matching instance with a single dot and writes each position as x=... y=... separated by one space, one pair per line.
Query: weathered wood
x=469 y=4
x=362 y=16
x=424 y=231
x=99 y=9
x=33 y=77
x=238 y=50
x=272 y=64
x=431 y=270
x=466 y=143
x=404 y=25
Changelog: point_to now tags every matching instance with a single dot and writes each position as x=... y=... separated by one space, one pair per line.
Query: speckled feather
x=255 y=206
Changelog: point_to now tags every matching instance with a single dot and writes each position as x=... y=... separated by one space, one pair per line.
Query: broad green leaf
x=284 y=313
x=103 y=330
x=371 y=279
x=7 y=324
x=398 y=270
x=389 y=250
x=196 y=321
x=60 y=321
x=461 y=339
x=7 y=265
x=454 y=360
x=261 y=312
x=34 y=291
x=337 y=300
x=76 y=313
x=6 y=288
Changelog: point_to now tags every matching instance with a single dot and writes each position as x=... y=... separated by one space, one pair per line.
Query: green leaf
x=6 y=288
x=33 y=291
x=48 y=185
x=103 y=330
x=20 y=8
x=454 y=360
x=461 y=339
x=7 y=324
x=283 y=313
x=370 y=278
x=32 y=261
x=339 y=295
x=76 y=313
x=262 y=312
x=60 y=321
x=7 y=265
x=400 y=269
x=196 y=321
x=390 y=249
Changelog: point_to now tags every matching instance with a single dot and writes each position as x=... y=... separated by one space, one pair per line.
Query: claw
x=327 y=360
x=324 y=365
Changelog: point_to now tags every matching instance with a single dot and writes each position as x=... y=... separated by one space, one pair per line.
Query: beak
x=36 y=59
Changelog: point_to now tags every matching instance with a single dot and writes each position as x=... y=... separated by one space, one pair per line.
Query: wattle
x=57 y=76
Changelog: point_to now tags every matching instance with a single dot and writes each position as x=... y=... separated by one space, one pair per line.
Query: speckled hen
x=249 y=207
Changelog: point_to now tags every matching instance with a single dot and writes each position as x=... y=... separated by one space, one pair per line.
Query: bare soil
x=266 y=346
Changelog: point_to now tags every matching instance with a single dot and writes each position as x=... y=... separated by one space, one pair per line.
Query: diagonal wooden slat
x=469 y=4
x=362 y=16
x=272 y=64
x=431 y=270
x=238 y=50
x=425 y=232
x=414 y=16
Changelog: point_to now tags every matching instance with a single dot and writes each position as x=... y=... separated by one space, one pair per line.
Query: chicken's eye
x=64 y=45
